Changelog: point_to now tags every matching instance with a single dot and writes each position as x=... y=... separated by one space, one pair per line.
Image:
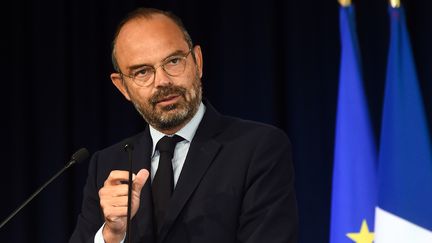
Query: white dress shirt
x=180 y=152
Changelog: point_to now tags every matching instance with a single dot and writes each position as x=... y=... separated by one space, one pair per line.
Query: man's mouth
x=169 y=100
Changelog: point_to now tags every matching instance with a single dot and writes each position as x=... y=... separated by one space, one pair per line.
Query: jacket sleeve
x=90 y=218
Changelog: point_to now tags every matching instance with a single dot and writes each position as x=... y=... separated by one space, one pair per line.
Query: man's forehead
x=155 y=22
x=158 y=28
x=148 y=40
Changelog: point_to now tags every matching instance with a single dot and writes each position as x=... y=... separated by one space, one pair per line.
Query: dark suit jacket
x=236 y=186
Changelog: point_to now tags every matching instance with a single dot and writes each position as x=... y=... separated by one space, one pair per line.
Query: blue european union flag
x=354 y=192
x=405 y=160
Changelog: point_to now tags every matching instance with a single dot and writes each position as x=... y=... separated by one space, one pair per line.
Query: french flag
x=404 y=211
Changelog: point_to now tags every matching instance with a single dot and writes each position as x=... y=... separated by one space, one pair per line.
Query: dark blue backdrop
x=271 y=61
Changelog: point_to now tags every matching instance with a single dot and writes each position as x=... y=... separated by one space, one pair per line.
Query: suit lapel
x=142 y=159
x=201 y=153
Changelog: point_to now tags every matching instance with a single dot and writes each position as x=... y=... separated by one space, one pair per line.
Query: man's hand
x=113 y=200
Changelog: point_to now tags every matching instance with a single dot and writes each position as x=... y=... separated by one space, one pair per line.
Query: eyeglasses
x=173 y=65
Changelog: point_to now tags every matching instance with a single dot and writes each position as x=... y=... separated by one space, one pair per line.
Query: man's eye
x=142 y=72
x=174 y=61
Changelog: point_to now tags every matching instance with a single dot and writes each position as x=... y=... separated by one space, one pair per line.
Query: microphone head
x=80 y=155
x=128 y=145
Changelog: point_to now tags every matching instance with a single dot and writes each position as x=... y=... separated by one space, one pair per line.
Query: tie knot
x=167 y=144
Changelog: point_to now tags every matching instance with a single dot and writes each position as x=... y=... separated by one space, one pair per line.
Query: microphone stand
x=79 y=156
x=128 y=147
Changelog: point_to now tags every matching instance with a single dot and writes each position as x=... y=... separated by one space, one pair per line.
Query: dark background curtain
x=271 y=61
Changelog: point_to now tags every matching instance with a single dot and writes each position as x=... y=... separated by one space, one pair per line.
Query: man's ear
x=198 y=59
x=119 y=83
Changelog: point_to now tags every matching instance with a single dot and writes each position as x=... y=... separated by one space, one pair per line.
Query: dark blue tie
x=163 y=181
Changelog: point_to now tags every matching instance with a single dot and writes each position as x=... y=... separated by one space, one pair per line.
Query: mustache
x=166 y=91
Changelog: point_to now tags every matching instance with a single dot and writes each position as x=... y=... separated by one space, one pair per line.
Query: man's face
x=169 y=102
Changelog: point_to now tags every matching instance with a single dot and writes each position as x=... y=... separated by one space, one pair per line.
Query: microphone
x=78 y=157
x=128 y=147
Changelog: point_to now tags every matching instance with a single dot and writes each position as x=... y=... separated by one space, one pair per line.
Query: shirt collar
x=187 y=132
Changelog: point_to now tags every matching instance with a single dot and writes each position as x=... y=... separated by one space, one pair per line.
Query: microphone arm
x=77 y=157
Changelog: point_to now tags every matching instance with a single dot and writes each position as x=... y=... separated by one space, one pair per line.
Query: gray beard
x=175 y=115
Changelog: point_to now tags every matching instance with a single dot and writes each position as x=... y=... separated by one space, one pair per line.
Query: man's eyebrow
x=175 y=53
x=136 y=66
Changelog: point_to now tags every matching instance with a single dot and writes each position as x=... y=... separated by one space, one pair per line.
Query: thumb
x=140 y=180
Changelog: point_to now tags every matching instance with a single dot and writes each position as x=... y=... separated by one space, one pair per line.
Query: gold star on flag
x=364 y=236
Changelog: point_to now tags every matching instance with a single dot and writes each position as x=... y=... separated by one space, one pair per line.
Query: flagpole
x=345 y=3
x=394 y=3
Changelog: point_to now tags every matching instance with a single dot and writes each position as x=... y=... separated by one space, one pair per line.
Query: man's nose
x=161 y=77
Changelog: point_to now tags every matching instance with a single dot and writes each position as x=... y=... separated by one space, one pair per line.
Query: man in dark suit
x=231 y=180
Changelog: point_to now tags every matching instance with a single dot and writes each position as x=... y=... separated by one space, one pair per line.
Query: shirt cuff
x=99 y=236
